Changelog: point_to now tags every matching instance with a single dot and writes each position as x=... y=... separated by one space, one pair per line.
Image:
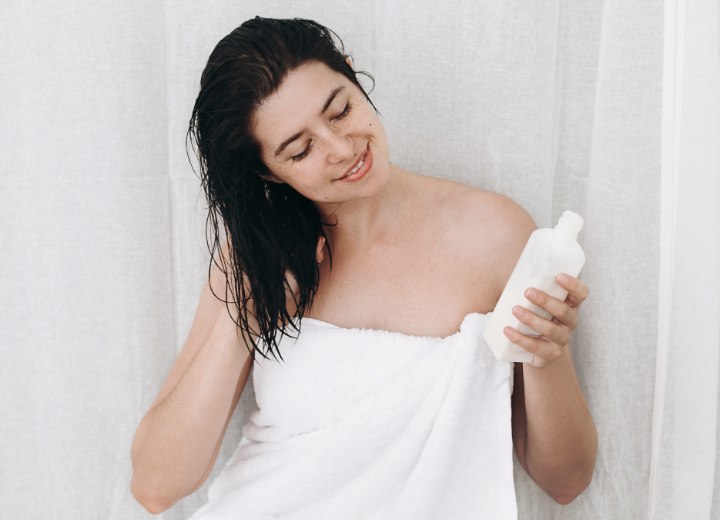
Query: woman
x=388 y=404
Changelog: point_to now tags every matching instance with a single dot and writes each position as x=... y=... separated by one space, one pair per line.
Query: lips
x=358 y=170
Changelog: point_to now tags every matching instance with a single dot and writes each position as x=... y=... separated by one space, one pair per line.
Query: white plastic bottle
x=547 y=253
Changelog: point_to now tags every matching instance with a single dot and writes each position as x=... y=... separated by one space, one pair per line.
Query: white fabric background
x=607 y=108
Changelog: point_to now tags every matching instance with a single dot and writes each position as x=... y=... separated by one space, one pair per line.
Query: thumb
x=320 y=251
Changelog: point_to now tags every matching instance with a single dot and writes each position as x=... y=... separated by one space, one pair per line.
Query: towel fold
x=368 y=424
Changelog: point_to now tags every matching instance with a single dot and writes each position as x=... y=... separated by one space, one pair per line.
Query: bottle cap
x=570 y=224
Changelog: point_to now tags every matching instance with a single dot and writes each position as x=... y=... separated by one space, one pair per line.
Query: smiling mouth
x=356 y=167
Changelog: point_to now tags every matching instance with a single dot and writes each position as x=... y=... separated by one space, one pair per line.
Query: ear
x=348 y=60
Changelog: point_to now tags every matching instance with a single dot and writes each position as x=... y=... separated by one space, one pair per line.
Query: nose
x=339 y=147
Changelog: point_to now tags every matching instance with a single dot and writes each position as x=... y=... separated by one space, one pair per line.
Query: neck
x=365 y=221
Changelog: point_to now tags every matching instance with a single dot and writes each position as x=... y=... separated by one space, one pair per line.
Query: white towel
x=368 y=424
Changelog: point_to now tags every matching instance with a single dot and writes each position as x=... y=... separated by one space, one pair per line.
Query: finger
x=543 y=351
x=561 y=311
x=291 y=284
x=577 y=290
x=548 y=329
x=320 y=250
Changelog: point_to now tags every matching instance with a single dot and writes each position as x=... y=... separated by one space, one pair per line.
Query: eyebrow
x=290 y=139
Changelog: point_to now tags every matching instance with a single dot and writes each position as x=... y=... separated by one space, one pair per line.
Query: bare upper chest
x=415 y=285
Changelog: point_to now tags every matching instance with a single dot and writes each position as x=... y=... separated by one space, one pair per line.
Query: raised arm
x=178 y=440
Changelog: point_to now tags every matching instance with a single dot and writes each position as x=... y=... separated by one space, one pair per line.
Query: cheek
x=302 y=178
x=278 y=171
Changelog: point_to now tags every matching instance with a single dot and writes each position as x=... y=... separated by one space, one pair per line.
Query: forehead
x=300 y=97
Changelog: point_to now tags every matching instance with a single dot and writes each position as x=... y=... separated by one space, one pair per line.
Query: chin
x=379 y=178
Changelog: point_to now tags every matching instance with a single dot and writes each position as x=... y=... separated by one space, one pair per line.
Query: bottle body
x=547 y=253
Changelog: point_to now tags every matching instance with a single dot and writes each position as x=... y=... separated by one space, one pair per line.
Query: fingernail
x=562 y=278
x=531 y=294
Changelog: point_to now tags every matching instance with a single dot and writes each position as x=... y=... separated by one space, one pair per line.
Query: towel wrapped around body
x=369 y=424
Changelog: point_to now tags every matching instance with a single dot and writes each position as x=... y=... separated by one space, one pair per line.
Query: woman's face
x=320 y=135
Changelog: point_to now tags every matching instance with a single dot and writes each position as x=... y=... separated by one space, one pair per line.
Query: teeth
x=354 y=170
x=357 y=167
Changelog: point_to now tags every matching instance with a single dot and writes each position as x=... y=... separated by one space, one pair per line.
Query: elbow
x=564 y=500
x=154 y=503
x=579 y=478
x=149 y=488
x=158 y=496
x=569 y=495
x=573 y=488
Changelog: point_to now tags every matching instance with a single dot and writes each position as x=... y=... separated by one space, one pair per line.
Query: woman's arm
x=177 y=442
x=554 y=435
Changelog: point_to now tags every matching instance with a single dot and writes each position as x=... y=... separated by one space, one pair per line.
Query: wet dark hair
x=271 y=228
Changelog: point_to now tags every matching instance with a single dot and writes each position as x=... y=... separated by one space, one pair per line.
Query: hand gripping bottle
x=547 y=253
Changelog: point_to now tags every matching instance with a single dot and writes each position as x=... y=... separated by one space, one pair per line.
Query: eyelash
x=345 y=111
x=341 y=115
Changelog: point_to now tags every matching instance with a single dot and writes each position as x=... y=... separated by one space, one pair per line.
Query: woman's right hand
x=291 y=285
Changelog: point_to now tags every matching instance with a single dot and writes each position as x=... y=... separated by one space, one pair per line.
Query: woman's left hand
x=555 y=331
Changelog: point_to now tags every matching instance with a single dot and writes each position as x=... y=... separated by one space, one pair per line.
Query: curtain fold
x=685 y=429
x=609 y=108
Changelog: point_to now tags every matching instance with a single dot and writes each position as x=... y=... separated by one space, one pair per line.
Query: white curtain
x=608 y=108
x=685 y=459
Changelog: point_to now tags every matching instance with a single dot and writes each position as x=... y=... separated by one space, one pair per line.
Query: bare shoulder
x=469 y=209
x=497 y=217
x=489 y=230
x=474 y=210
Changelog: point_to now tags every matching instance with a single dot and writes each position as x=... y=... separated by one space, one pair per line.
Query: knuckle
x=572 y=324
x=565 y=338
x=531 y=319
x=582 y=290
x=523 y=341
x=548 y=327
x=530 y=346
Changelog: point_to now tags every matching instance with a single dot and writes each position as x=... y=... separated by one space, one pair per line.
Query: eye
x=302 y=155
x=344 y=113
x=341 y=115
